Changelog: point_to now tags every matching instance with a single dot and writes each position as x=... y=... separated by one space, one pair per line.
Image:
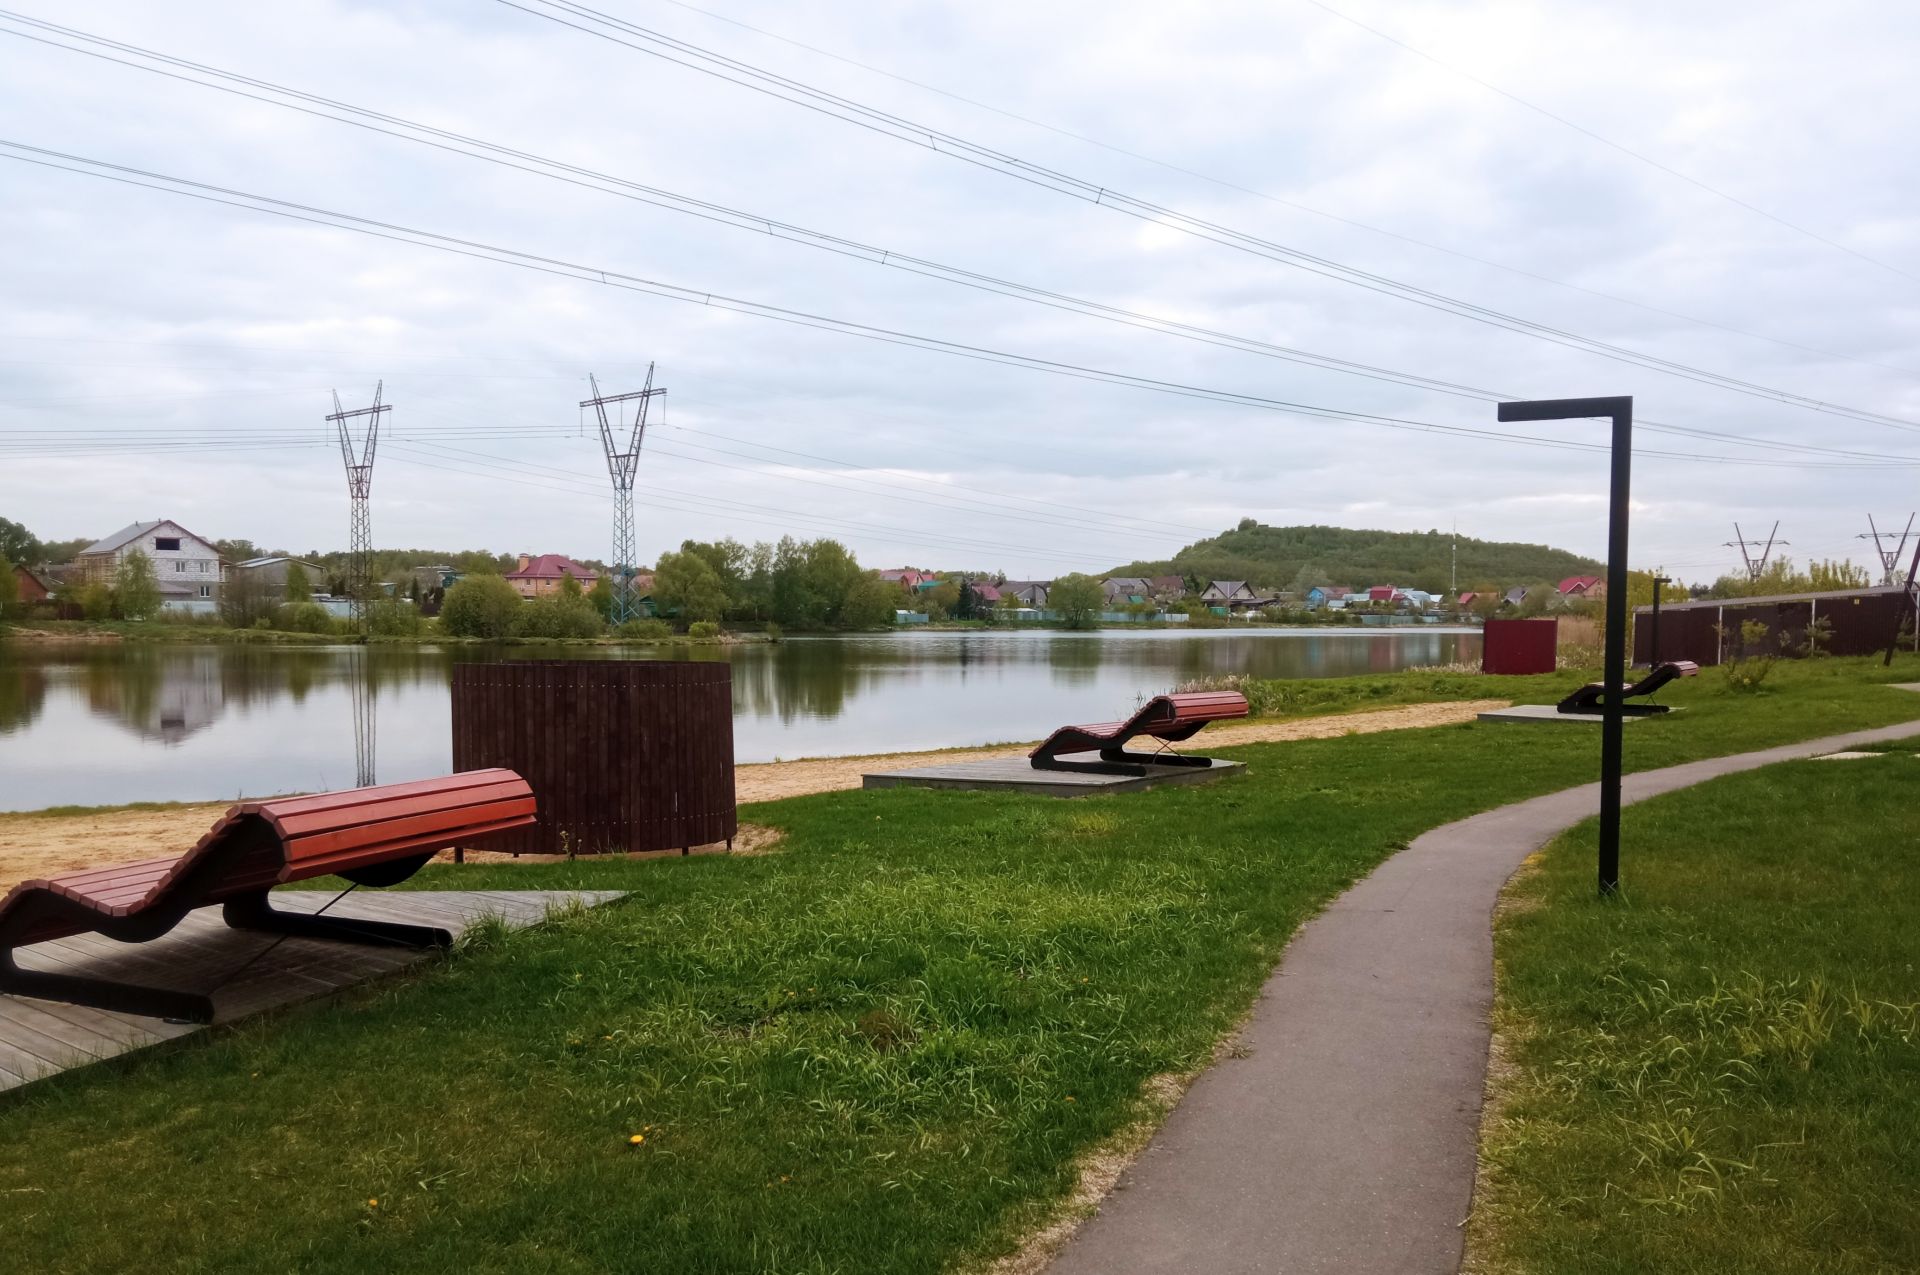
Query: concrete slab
x=1016 y=774
x=1342 y=1134
x=1549 y=713
x=43 y=1038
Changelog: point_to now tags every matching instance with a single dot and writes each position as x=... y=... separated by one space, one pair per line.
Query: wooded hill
x=1297 y=558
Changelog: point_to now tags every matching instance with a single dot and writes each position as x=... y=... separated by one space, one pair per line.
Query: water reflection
x=134 y=722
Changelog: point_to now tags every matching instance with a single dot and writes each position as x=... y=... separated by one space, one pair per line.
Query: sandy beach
x=33 y=845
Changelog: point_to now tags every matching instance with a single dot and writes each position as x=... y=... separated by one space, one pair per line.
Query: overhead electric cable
x=955 y=147
x=756 y=223
x=1228 y=184
x=1628 y=151
x=555 y=266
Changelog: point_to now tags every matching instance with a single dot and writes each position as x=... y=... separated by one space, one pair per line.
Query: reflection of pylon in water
x=360 y=683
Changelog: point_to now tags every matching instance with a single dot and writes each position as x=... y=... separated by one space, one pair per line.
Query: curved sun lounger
x=371 y=836
x=1169 y=718
x=1591 y=697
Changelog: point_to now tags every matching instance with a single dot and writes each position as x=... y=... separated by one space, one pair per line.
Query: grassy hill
x=1300 y=557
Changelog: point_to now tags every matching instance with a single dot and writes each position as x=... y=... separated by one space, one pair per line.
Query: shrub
x=775 y=632
x=645 y=630
x=1749 y=659
x=703 y=629
x=557 y=615
x=480 y=607
x=391 y=617
x=303 y=617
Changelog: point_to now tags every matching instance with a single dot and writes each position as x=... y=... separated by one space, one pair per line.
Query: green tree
x=96 y=601
x=136 y=594
x=939 y=601
x=870 y=603
x=1078 y=599
x=17 y=544
x=480 y=606
x=1829 y=576
x=9 y=588
x=299 y=589
x=600 y=596
x=687 y=585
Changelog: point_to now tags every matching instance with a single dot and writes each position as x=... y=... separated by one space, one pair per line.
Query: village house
x=538 y=576
x=271 y=573
x=986 y=594
x=1119 y=591
x=909 y=578
x=1227 y=593
x=186 y=568
x=1167 y=588
x=31 y=586
x=1321 y=595
x=1031 y=593
x=1516 y=596
x=1582 y=587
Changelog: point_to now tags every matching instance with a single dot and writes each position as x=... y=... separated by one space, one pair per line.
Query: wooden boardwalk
x=41 y=1038
x=1016 y=774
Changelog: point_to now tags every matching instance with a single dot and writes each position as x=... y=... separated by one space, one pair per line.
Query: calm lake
x=109 y=724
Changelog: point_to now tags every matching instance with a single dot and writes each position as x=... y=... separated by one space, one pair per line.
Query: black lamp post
x=1612 y=721
x=1660 y=584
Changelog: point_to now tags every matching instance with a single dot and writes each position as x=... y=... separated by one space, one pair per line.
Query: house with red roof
x=539 y=575
x=1582 y=587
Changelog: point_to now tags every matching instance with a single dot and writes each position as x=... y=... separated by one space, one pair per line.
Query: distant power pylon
x=1889 y=558
x=1756 y=566
x=623 y=459
x=359 y=463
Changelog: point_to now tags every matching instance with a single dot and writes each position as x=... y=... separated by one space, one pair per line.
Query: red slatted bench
x=1171 y=718
x=371 y=836
x=1591 y=698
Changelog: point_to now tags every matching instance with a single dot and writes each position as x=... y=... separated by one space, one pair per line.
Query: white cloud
x=131 y=310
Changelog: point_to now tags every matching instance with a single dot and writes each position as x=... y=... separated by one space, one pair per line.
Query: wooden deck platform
x=1016 y=774
x=41 y=1038
x=1552 y=713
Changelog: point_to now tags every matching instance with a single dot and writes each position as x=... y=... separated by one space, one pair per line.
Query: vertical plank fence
x=622 y=755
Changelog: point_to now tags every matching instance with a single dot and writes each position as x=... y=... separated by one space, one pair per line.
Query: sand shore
x=33 y=845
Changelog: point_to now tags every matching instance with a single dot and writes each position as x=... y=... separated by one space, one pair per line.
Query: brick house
x=186 y=567
x=539 y=575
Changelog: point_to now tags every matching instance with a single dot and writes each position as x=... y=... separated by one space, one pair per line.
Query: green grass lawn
x=880 y=1049
x=1720 y=1072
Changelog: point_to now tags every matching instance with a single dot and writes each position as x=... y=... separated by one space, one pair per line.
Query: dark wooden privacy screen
x=622 y=755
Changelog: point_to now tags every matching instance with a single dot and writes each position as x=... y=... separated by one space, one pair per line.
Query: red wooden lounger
x=1166 y=717
x=1591 y=697
x=371 y=836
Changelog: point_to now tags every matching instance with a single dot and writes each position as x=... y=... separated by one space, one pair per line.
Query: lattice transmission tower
x=359 y=462
x=1756 y=564
x=622 y=444
x=1889 y=558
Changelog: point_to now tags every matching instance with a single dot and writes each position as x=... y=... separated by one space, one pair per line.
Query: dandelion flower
x=637 y=1139
x=373 y=1204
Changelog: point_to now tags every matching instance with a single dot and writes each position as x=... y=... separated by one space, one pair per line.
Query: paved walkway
x=1345 y=1137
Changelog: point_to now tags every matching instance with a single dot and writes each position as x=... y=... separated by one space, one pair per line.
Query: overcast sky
x=176 y=321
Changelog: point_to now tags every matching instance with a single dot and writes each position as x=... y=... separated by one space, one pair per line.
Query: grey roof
x=109 y=543
x=253 y=563
x=133 y=532
x=1228 y=586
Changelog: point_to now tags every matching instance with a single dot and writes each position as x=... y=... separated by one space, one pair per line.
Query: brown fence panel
x=621 y=754
x=1519 y=646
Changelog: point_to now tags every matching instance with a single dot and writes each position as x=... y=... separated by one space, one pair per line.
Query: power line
x=757 y=223
x=555 y=266
x=955 y=147
x=1610 y=143
x=1294 y=204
